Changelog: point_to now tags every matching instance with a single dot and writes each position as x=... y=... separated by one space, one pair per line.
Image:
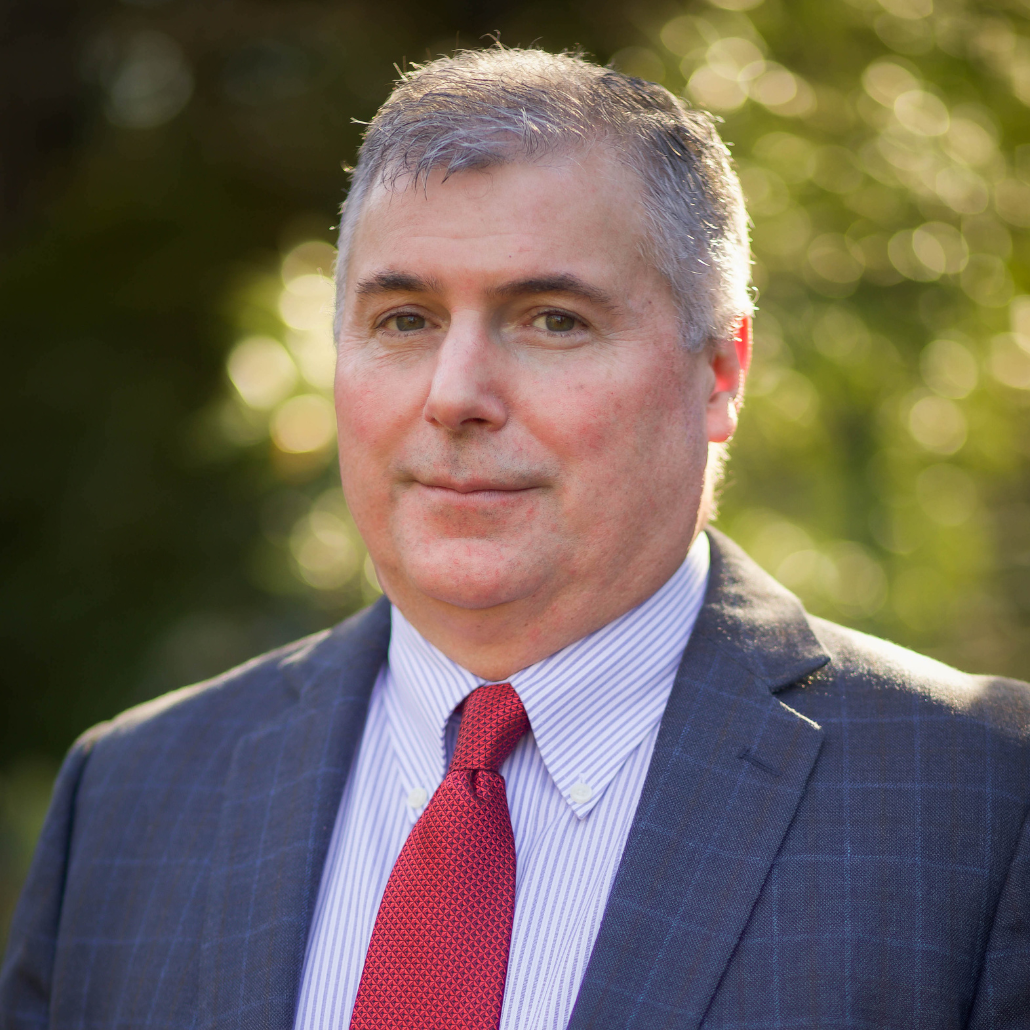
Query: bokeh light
x=186 y=512
x=262 y=371
x=882 y=422
x=304 y=423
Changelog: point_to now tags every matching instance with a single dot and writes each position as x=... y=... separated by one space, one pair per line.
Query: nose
x=466 y=387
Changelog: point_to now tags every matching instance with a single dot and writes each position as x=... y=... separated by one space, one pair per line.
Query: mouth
x=475 y=492
x=474 y=486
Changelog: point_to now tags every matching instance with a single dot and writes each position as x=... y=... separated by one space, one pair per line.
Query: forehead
x=583 y=207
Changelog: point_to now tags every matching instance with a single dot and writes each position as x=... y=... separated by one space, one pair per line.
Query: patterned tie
x=439 y=950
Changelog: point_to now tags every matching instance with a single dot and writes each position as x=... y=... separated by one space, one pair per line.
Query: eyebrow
x=560 y=282
x=393 y=281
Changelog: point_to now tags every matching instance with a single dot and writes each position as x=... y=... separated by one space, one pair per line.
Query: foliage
x=881 y=470
x=169 y=495
x=881 y=466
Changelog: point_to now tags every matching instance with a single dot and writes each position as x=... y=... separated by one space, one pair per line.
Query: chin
x=474 y=581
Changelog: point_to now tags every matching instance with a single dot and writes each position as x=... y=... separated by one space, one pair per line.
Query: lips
x=471 y=486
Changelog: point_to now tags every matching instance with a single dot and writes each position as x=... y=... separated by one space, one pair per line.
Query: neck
x=494 y=643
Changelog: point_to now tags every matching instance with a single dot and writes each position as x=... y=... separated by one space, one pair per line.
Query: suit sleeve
x=27 y=974
x=1002 y=1000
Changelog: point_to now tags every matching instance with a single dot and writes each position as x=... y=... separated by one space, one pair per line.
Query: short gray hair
x=483 y=108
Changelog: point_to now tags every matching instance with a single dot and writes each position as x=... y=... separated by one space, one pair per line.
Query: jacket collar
x=348 y=650
x=755 y=621
x=729 y=768
x=280 y=802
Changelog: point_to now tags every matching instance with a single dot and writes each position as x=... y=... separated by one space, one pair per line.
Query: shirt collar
x=589 y=705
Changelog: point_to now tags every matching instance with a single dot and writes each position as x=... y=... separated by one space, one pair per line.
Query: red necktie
x=439 y=950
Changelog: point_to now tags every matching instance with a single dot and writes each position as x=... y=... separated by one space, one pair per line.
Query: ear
x=729 y=359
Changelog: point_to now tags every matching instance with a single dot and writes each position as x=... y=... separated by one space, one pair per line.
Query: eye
x=556 y=322
x=406 y=322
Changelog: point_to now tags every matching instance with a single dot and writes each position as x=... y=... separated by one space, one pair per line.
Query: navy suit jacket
x=833 y=833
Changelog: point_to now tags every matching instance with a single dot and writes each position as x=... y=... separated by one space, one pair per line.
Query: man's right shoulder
x=246 y=697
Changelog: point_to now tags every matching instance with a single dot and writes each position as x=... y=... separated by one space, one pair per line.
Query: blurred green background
x=171 y=173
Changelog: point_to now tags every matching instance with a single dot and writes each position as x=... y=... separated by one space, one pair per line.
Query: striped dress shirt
x=573 y=783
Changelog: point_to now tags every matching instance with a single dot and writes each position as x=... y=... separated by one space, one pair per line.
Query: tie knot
x=492 y=723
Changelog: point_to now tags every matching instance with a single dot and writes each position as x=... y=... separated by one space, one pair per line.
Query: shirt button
x=581 y=793
x=417 y=797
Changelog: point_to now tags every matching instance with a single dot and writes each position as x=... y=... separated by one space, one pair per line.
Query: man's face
x=519 y=420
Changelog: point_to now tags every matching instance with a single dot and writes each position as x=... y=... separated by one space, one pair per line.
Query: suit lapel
x=281 y=798
x=729 y=767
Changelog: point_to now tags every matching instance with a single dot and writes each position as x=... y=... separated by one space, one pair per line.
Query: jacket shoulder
x=867 y=665
x=249 y=695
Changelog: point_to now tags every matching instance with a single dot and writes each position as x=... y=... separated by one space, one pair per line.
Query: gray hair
x=482 y=108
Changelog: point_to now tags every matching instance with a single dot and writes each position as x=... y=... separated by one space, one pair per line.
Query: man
x=589 y=766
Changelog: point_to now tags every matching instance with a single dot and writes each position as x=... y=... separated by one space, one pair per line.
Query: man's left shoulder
x=868 y=677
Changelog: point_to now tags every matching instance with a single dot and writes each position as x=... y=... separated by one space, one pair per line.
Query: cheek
x=370 y=422
x=653 y=468
x=373 y=402
x=621 y=427
x=356 y=414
